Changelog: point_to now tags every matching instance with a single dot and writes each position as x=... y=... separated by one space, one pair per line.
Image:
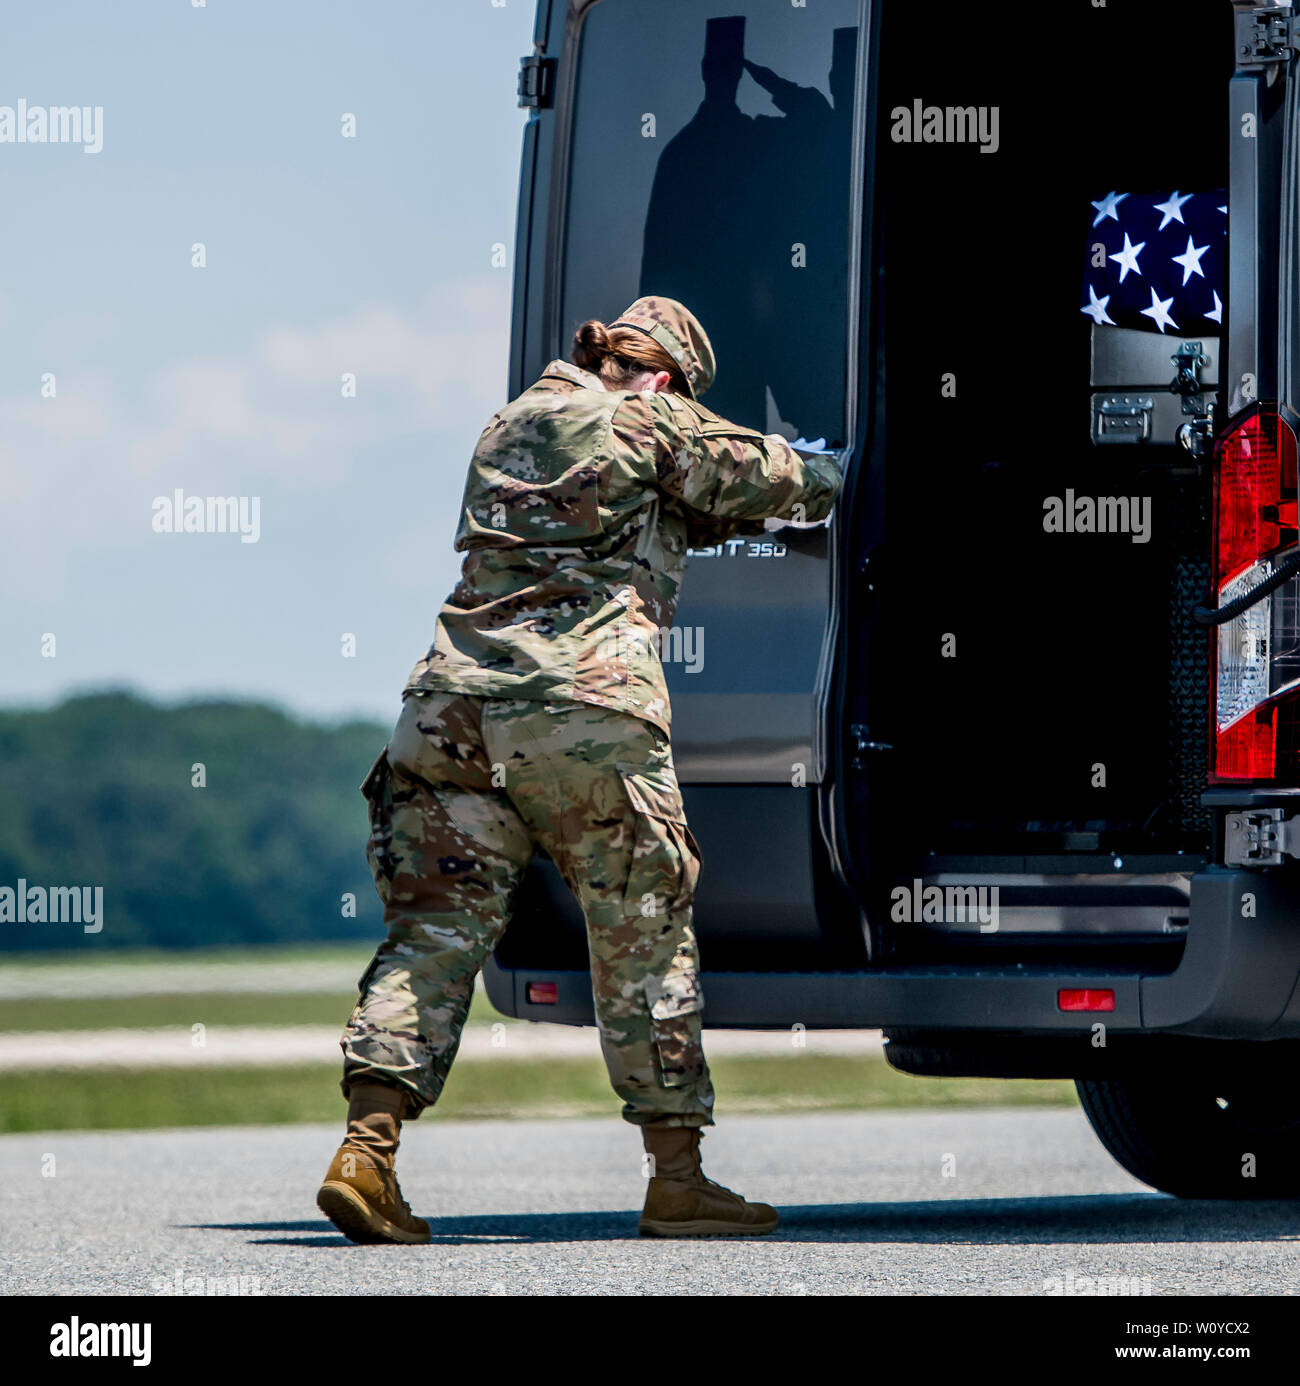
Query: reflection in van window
x=711 y=162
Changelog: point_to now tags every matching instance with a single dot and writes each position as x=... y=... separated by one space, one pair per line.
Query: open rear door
x=1255 y=753
x=1024 y=692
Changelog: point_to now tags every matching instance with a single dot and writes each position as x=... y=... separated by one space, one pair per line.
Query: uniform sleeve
x=719 y=469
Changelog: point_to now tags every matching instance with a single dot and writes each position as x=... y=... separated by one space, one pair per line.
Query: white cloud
x=78 y=468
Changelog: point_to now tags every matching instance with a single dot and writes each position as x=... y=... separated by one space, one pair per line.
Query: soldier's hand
x=807 y=450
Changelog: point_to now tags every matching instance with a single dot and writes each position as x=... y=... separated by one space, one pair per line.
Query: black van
x=1005 y=758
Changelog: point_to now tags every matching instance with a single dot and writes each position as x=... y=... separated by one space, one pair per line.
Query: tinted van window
x=710 y=162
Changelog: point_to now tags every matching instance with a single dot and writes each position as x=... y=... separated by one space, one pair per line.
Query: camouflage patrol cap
x=678 y=331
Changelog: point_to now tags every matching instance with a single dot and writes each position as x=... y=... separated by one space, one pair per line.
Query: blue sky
x=372 y=255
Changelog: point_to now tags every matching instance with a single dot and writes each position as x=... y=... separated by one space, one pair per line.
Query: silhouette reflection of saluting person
x=702 y=205
x=764 y=249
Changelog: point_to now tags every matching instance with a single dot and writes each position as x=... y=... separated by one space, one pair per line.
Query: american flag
x=1156 y=261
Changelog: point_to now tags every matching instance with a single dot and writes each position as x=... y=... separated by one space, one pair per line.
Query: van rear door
x=1024 y=704
x=711 y=151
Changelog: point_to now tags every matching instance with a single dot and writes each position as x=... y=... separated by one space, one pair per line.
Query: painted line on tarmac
x=56 y=983
x=240 y=1046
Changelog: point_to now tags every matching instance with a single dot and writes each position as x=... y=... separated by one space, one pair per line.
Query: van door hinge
x=1265 y=36
x=1260 y=837
x=1197 y=435
x=863 y=745
x=537 y=82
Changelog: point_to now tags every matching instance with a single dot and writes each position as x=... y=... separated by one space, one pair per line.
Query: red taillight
x=1255 y=508
x=1256 y=653
x=1247 y=750
x=1086 y=999
x=542 y=993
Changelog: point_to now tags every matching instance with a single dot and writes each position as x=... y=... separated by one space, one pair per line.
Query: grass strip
x=31 y=1014
x=53 y=960
x=482 y=1089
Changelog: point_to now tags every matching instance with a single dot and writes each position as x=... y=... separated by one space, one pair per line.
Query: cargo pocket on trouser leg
x=675 y=1010
x=665 y=858
x=660 y=888
x=377 y=789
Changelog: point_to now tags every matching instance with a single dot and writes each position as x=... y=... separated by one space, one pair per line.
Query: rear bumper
x=1237 y=979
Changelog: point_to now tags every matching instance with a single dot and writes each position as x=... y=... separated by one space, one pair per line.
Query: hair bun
x=590 y=345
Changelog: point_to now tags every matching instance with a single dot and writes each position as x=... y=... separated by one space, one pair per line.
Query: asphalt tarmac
x=989 y=1202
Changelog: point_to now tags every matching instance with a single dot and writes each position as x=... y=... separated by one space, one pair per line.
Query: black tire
x=1194 y=1135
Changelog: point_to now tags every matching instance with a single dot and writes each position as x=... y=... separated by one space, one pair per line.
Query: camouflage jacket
x=579 y=508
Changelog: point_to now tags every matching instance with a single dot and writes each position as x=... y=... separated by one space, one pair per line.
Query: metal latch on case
x=1188 y=360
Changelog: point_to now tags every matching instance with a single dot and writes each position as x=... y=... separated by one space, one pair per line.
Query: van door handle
x=863 y=745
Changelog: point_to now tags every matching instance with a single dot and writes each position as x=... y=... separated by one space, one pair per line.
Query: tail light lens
x=1257 y=675
x=1085 y=999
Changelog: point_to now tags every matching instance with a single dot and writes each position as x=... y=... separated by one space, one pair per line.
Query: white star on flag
x=1173 y=209
x=1096 y=310
x=1190 y=260
x=1127 y=257
x=1106 y=207
x=1159 y=311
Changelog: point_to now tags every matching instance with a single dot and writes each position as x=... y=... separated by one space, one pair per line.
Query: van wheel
x=1234 y=1134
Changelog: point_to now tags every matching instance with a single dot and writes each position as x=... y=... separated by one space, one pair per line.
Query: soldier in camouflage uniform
x=540 y=717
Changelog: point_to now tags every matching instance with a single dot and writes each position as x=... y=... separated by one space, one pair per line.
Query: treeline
x=103 y=791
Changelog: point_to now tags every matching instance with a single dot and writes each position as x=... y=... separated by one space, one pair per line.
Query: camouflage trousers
x=464 y=791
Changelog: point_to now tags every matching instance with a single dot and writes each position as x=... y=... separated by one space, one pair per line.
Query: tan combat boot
x=360 y=1194
x=681 y=1202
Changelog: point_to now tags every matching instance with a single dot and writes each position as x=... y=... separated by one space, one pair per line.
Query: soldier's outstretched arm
x=722 y=469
